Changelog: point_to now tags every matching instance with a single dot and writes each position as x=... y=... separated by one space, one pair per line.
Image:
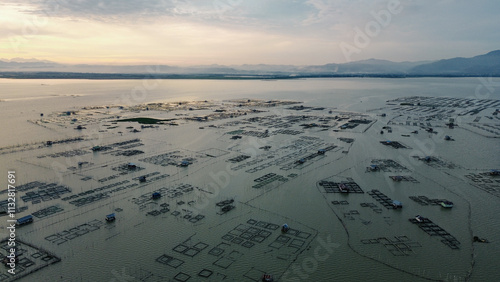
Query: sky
x=234 y=32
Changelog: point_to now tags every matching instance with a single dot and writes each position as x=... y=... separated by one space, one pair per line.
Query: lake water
x=26 y=99
x=127 y=250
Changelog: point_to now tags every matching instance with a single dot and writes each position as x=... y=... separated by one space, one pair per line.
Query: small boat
x=397 y=205
x=447 y=204
x=227 y=208
x=420 y=218
x=24 y=220
x=224 y=203
x=480 y=240
x=267 y=278
x=494 y=172
x=110 y=217
x=397 y=178
x=285 y=228
x=343 y=188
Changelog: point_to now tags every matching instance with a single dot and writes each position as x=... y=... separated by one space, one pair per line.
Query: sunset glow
x=245 y=32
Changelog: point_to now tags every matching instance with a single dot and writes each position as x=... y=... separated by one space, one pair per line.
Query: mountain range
x=482 y=65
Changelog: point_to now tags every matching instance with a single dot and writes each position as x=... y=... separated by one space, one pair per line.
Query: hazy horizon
x=236 y=32
x=34 y=60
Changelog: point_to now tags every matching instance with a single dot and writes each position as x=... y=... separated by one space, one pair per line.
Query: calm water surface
x=99 y=256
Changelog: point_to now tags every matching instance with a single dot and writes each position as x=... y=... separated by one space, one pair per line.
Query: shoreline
x=266 y=77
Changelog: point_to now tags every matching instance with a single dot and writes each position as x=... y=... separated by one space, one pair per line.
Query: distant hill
x=20 y=64
x=482 y=65
x=370 y=66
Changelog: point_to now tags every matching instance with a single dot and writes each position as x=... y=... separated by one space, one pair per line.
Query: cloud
x=243 y=31
x=238 y=12
x=123 y=9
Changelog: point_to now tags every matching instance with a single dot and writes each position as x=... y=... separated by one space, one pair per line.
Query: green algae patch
x=143 y=120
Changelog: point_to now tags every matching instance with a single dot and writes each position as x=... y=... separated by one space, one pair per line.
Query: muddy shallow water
x=273 y=173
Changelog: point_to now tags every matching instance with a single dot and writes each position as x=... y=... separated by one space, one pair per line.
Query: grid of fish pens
x=403 y=178
x=72 y=233
x=169 y=192
x=334 y=187
x=388 y=165
x=238 y=159
x=97 y=196
x=247 y=236
x=47 y=211
x=491 y=130
x=127 y=153
x=297 y=148
x=425 y=201
x=433 y=229
x=31 y=259
x=268 y=179
x=485 y=182
x=166 y=159
x=45 y=192
x=397 y=246
x=437 y=162
x=66 y=154
x=372 y=206
x=381 y=198
x=336 y=203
